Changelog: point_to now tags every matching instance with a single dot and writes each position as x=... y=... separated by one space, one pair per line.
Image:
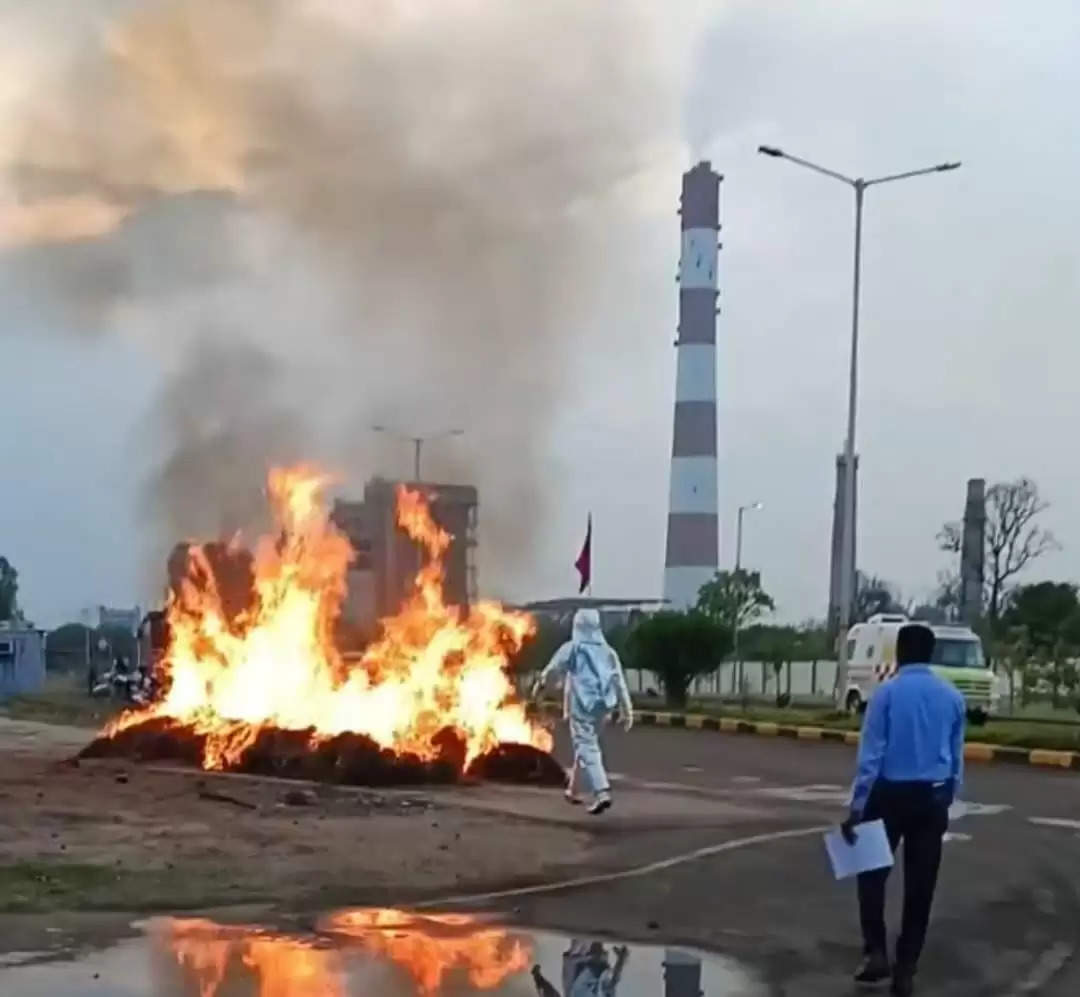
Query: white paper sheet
x=870 y=851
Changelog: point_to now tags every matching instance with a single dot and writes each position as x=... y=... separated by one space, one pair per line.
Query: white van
x=958 y=658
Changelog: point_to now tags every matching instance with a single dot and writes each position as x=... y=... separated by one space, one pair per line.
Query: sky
x=228 y=239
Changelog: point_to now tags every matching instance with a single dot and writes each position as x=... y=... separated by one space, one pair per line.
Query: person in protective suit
x=594 y=686
x=586 y=972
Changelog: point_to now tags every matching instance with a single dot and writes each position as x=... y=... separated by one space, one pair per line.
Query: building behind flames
x=387 y=560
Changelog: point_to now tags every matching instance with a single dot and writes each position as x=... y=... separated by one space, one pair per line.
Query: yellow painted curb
x=766 y=728
x=695 y=721
x=1058 y=759
x=851 y=737
x=809 y=733
x=729 y=725
x=979 y=752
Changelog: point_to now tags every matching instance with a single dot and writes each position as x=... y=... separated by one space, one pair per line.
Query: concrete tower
x=693 y=534
x=973 y=552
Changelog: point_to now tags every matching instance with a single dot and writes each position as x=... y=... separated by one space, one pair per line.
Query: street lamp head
x=770 y=150
x=378 y=429
x=758 y=505
x=945 y=167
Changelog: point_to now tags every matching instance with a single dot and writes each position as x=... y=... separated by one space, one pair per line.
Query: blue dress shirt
x=913 y=732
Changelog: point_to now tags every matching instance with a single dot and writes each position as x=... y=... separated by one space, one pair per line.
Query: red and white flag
x=584 y=561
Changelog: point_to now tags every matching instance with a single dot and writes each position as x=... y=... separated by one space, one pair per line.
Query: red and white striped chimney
x=693 y=534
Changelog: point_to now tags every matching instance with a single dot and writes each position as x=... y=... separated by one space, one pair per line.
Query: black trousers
x=916 y=813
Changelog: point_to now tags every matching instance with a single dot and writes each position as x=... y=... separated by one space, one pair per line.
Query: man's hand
x=628 y=721
x=847 y=829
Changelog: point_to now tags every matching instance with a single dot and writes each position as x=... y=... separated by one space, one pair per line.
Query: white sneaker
x=601 y=803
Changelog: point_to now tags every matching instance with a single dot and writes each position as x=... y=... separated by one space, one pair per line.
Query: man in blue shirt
x=909 y=770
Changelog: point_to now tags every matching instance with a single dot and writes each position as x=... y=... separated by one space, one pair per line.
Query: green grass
x=62 y=701
x=40 y=887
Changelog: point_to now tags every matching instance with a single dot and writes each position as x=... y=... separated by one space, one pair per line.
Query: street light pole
x=847 y=541
x=737 y=581
x=738 y=533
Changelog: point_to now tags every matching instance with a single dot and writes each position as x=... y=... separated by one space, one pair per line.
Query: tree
x=874 y=595
x=735 y=598
x=776 y=646
x=9 y=590
x=538 y=648
x=678 y=647
x=1048 y=616
x=1013 y=538
x=1048 y=612
x=946 y=603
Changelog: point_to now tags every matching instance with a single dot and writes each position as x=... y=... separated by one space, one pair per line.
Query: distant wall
x=22 y=662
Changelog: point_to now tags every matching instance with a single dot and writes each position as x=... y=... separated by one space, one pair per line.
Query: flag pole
x=592 y=547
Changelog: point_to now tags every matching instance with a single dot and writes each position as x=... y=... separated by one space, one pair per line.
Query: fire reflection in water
x=427 y=955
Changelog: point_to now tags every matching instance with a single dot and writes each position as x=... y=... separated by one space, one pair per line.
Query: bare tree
x=1013 y=537
x=875 y=595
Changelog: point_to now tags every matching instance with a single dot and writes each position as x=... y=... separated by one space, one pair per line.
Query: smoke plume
x=325 y=215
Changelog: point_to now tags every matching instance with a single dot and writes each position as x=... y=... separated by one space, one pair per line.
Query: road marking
x=955 y=836
x=962 y=808
x=1046 y=967
x=815 y=793
x=1073 y=825
x=635 y=872
x=746 y=778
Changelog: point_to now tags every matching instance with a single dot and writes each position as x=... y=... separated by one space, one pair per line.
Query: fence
x=806 y=681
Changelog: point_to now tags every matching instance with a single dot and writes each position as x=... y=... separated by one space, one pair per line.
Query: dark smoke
x=445 y=173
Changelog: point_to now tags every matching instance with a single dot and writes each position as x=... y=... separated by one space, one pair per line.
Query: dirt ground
x=99 y=836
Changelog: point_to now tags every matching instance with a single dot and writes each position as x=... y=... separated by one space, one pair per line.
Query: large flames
x=231 y=675
x=435 y=954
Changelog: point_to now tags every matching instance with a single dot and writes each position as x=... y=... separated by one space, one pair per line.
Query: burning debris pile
x=261 y=688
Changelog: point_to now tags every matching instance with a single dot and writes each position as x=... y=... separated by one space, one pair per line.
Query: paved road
x=1007 y=919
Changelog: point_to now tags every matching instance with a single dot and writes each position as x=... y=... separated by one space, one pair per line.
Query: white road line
x=633 y=873
x=1073 y=825
x=1045 y=969
x=956 y=836
x=961 y=808
x=816 y=793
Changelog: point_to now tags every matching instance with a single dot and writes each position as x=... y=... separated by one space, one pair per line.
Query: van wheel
x=977 y=717
x=854 y=704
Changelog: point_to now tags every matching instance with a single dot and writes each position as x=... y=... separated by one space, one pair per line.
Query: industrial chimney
x=693 y=534
x=973 y=552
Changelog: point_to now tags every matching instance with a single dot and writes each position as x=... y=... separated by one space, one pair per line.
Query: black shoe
x=873 y=969
x=903 y=984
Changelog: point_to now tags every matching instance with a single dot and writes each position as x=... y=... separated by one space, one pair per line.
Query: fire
x=433 y=948
x=279 y=966
x=437 y=953
x=274 y=664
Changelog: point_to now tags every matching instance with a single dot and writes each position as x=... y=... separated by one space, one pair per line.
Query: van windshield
x=952 y=653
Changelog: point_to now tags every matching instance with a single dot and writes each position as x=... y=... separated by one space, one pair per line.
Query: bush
x=678 y=647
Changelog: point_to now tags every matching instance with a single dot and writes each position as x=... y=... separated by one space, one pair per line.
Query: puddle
x=376 y=953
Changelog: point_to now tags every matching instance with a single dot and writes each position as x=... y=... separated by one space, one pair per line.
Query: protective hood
x=586 y=628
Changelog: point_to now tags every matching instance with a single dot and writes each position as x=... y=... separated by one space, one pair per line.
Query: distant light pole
x=847 y=542
x=753 y=506
x=418 y=443
x=738 y=532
